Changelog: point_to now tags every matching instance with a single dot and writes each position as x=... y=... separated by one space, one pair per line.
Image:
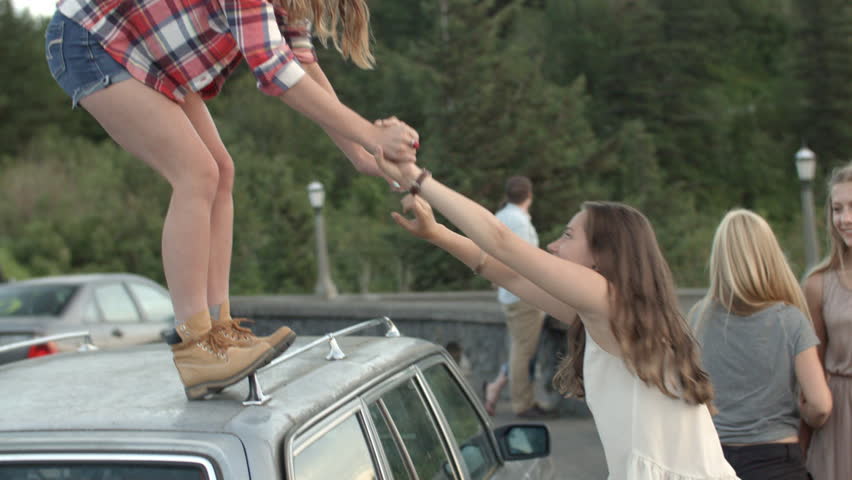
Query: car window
x=156 y=305
x=342 y=452
x=116 y=303
x=90 y=313
x=469 y=431
x=41 y=300
x=392 y=452
x=98 y=471
x=412 y=423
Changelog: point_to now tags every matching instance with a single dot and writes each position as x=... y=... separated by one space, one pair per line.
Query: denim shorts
x=77 y=60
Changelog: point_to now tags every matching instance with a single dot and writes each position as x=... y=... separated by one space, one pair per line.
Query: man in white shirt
x=523 y=321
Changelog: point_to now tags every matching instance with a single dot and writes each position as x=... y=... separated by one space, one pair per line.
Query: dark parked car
x=117 y=309
x=370 y=408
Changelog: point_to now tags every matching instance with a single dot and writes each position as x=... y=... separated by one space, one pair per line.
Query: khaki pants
x=523 y=322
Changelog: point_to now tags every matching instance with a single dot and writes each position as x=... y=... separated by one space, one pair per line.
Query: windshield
x=26 y=300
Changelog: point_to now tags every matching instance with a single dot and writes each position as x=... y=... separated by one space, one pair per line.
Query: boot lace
x=234 y=331
x=240 y=331
x=215 y=344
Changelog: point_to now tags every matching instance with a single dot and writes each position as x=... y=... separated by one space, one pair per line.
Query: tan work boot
x=231 y=330
x=207 y=364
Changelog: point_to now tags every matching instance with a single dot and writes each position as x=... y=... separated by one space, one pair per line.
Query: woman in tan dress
x=828 y=290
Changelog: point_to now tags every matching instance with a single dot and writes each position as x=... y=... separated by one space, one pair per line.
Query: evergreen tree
x=681 y=108
x=30 y=100
x=823 y=65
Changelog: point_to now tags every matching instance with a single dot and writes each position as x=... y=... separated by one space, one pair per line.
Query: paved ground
x=575 y=445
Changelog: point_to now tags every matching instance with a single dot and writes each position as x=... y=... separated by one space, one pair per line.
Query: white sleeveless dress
x=645 y=434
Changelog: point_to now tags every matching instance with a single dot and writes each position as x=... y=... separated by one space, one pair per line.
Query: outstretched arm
x=358 y=155
x=424 y=226
x=575 y=285
x=254 y=27
x=311 y=100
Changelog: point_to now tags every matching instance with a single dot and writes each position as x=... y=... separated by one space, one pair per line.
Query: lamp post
x=325 y=286
x=806 y=168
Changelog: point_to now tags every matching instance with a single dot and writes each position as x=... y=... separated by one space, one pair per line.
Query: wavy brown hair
x=838 y=250
x=345 y=22
x=655 y=341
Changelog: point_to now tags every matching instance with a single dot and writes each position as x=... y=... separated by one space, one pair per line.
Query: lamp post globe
x=806 y=162
x=325 y=286
x=316 y=194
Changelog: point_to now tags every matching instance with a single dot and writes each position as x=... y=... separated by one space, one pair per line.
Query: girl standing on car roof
x=637 y=362
x=143 y=69
x=760 y=349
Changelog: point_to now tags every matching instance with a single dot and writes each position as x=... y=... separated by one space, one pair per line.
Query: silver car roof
x=77 y=279
x=138 y=389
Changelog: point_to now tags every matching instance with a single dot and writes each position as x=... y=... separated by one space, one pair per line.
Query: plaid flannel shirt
x=182 y=46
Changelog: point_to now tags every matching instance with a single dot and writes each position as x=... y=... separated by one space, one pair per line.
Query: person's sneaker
x=232 y=330
x=206 y=363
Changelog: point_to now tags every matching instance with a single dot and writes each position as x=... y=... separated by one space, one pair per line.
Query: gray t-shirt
x=751 y=365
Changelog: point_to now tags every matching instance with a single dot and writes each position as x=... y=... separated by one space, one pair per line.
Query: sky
x=36 y=7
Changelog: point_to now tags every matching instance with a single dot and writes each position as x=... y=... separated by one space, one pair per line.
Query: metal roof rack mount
x=256 y=395
x=86 y=346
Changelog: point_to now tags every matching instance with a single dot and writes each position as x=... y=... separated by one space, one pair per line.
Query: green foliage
x=73 y=205
x=30 y=99
x=823 y=50
x=682 y=108
x=9 y=268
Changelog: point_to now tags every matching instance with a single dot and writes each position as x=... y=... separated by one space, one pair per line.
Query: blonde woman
x=759 y=347
x=828 y=290
x=640 y=370
x=144 y=68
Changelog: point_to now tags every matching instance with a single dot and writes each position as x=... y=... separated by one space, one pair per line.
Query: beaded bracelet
x=415 y=186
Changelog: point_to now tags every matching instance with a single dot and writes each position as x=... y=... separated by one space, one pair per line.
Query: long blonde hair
x=839 y=250
x=345 y=22
x=655 y=341
x=748 y=270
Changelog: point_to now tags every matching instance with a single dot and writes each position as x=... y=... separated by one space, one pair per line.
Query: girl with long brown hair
x=828 y=290
x=640 y=371
x=144 y=68
x=760 y=350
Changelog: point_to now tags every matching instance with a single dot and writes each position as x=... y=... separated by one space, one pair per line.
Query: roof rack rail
x=86 y=346
x=256 y=395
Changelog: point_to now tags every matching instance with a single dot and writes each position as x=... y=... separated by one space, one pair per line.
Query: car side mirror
x=523 y=442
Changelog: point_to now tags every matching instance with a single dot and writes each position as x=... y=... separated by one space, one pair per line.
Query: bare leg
x=493 y=390
x=222 y=216
x=156 y=130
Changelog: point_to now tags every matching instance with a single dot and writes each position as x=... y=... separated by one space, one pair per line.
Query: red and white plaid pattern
x=180 y=46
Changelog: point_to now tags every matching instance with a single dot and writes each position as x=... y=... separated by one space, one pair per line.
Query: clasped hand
x=423 y=225
x=398 y=140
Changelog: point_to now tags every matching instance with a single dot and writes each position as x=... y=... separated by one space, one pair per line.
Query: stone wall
x=472 y=319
